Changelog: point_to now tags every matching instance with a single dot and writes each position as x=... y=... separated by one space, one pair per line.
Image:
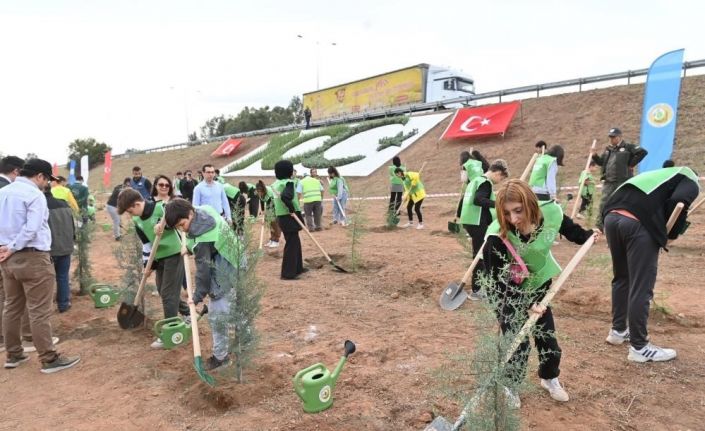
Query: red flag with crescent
x=107 y=168
x=481 y=121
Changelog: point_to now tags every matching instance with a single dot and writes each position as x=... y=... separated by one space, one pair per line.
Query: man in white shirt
x=210 y=192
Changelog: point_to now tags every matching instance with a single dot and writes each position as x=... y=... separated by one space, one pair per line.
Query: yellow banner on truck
x=390 y=89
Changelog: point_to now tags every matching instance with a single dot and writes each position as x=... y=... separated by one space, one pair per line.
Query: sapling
x=83 y=272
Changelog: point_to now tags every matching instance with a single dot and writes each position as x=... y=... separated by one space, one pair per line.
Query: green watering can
x=315 y=384
x=104 y=296
x=174 y=331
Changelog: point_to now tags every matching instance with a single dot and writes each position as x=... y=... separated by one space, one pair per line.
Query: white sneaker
x=617 y=338
x=651 y=353
x=420 y=226
x=407 y=225
x=512 y=399
x=157 y=344
x=477 y=296
x=272 y=244
x=554 y=388
x=29 y=347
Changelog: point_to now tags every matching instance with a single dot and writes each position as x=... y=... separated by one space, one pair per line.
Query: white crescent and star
x=465 y=126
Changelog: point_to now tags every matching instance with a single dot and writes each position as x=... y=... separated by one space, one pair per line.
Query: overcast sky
x=140 y=73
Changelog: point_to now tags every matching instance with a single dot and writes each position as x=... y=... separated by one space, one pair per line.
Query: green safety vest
x=337 y=182
x=231 y=191
x=223 y=237
x=169 y=244
x=311 y=190
x=473 y=169
x=279 y=208
x=393 y=178
x=589 y=188
x=470 y=213
x=650 y=181
x=537 y=253
x=540 y=171
x=221 y=180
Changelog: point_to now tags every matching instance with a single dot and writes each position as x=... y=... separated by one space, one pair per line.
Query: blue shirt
x=24 y=216
x=213 y=195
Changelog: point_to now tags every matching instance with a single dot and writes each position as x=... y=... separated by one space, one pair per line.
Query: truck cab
x=443 y=83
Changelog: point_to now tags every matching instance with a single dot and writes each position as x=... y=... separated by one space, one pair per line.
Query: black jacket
x=618 y=162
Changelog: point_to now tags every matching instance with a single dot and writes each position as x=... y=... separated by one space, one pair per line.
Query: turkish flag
x=227 y=148
x=107 y=168
x=481 y=121
x=55 y=170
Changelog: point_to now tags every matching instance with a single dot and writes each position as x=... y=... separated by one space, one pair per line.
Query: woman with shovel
x=338 y=188
x=266 y=203
x=477 y=212
x=517 y=257
x=286 y=205
x=415 y=192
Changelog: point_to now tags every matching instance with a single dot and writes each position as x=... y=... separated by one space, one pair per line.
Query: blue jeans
x=337 y=207
x=62 y=265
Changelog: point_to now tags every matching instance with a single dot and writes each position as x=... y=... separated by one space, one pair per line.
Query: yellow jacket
x=413 y=186
x=63 y=193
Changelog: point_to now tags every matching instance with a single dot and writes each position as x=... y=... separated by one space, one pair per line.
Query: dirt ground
x=390 y=310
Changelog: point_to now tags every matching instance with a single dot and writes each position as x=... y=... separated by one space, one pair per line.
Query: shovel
x=442 y=424
x=261 y=233
x=406 y=197
x=339 y=269
x=530 y=166
x=454 y=296
x=340 y=207
x=576 y=204
x=197 y=358
x=129 y=316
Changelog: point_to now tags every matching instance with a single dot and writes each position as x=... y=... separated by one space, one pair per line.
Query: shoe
x=318 y=229
x=118 y=238
x=420 y=226
x=64 y=310
x=512 y=399
x=407 y=225
x=304 y=271
x=186 y=319
x=157 y=344
x=477 y=296
x=553 y=386
x=616 y=338
x=212 y=363
x=290 y=278
x=651 y=353
x=272 y=244
x=29 y=346
x=15 y=361
x=60 y=363
x=343 y=224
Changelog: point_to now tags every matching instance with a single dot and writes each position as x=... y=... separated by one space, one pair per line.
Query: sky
x=145 y=73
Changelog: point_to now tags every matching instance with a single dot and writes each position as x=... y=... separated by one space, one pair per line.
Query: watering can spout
x=349 y=348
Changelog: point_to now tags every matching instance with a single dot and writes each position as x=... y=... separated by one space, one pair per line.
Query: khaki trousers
x=26 y=331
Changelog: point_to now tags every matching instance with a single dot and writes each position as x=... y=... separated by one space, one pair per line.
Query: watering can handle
x=158 y=325
x=298 y=387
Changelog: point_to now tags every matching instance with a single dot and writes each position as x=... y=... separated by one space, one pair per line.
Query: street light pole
x=318 y=58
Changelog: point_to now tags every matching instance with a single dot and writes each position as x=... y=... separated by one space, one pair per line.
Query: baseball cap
x=39 y=166
x=614 y=132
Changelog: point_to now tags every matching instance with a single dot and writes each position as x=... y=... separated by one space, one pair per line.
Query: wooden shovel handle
x=311 y=236
x=529 y=167
x=674 y=216
x=261 y=232
x=150 y=260
x=579 y=198
x=475 y=261
x=694 y=207
x=405 y=198
x=191 y=305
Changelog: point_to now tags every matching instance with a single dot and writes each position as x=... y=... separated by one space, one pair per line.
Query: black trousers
x=634 y=266
x=585 y=203
x=395 y=201
x=254 y=206
x=477 y=237
x=292 y=261
x=416 y=207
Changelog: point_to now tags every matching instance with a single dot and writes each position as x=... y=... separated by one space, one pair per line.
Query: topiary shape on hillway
x=395 y=140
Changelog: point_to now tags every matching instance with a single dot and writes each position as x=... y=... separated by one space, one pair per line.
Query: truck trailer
x=421 y=83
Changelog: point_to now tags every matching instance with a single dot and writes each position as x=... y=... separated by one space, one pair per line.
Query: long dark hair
x=155 y=189
x=333 y=172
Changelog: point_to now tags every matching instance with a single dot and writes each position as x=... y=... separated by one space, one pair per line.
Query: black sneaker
x=212 y=363
x=60 y=363
x=15 y=361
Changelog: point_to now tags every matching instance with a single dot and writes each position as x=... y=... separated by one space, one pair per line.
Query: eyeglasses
x=209 y=172
x=162 y=185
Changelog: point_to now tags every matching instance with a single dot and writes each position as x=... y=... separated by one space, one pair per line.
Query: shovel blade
x=337 y=268
x=129 y=316
x=439 y=424
x=453 y=296
x=201 y=371
x=453 y=227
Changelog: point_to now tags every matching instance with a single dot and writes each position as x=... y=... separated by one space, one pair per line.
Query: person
x=307 y=117
x=415 y=193
x=472 y=165
x=544 y=172
x=248 y=190
x=540 y=147
x=618 y=162
x=187 y=185
x=177 y=183
x=286 y=205
x=60 y=191
x=587 y=179
x=635 y=218
x=397 y=185
x=211 y=193
x=111 y=205
x=219 y=258
x=10 y=167
x=529 y=227
x=169 y=266
x=63 y=235
x=478 y=211
x=218 y=178
x=266 y=201
x=237 y=202
x=28 y=275
x=81 y=193
x=163 y=189
x=338 y=189
x=140 y=183
x=311 y=190
x=199 y=176
x=91 y=208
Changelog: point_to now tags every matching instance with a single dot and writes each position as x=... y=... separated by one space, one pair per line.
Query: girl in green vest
x=478 y=211
x=266 y=203
x=397 y=185
x=526 y=228
x=338 y=189
x=544 y=173
x=472 y=165
x=587 y=179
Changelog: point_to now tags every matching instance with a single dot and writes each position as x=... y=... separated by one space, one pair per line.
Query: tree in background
x=31 y=155
x=249 y=119
x=94 y=149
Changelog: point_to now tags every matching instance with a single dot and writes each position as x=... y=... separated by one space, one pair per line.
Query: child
x=219 y=259
x=414 y=189
x=167 y=260
x=588 y=181
x=266 y=201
